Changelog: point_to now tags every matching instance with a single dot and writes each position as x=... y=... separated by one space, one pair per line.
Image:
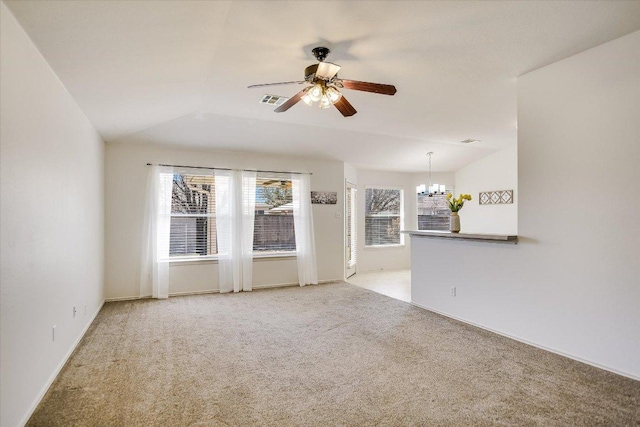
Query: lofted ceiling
x=175 y=73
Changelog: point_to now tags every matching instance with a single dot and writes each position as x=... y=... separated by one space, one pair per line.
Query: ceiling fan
x=324 y=86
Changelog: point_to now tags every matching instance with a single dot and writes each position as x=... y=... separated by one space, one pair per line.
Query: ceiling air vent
x=273 y=100
x=469 y=141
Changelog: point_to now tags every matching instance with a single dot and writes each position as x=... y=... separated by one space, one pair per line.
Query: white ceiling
x=176 y=72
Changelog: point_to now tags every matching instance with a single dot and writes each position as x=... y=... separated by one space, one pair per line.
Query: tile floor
x=392 y=283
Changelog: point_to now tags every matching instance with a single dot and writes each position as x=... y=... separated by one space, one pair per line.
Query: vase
x=454 y=222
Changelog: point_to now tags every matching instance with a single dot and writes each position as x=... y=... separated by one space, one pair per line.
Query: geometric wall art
x=501 y=197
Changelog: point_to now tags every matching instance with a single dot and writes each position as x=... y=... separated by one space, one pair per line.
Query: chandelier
x=433 y=189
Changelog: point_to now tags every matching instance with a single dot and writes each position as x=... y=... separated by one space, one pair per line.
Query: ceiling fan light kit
x=320 y=92
x=325 y=86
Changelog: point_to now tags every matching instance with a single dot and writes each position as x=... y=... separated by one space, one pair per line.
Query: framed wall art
x=324 y=197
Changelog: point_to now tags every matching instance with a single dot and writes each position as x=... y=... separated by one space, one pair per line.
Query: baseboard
x=53 y=376
x=533 y=344
x=284 y=285
x=215 y=291
x=181 y=294
x=275 y=285
x=125 y=298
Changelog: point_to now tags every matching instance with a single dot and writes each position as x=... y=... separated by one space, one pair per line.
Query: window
x=273 y=230
x=383 y=217
x=193 y=215
x=205 y=213
x=193 y=219
x=433 y=212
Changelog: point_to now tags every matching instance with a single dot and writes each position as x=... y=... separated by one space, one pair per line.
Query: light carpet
x=326 y=355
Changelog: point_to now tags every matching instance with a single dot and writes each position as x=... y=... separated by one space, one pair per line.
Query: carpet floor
x=326 y=355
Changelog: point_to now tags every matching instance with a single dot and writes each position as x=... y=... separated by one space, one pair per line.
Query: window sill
x=199 y=260
x=275 y=257
x=381 y=247
x=214 y=259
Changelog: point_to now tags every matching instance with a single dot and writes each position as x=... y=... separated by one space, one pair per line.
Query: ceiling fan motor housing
x=320 y=53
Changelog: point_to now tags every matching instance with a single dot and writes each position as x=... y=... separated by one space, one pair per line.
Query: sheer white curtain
x=154 y=274
x=303 y=224
x=235 y=212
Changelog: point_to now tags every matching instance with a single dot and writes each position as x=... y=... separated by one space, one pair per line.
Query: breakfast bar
x=462 y=274
x=492 y=238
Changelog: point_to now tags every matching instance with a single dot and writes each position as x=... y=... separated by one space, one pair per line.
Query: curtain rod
x=226 y=169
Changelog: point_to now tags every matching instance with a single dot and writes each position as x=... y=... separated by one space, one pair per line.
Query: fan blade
x=369 y=87
x=345 y=107
x=291 y=102
x=326 y=70
x=274 y=84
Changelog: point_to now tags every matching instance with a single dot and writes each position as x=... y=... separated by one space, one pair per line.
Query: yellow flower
x=455 y=204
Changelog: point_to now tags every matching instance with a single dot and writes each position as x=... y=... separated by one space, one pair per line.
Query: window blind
x=383 y=216
x=352 y=238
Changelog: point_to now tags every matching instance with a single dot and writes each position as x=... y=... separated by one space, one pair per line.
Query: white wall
x=498 y=171
x=572 y=284
x=51 y=221
x=350 y=173
x=392 y=257
x=126 y=175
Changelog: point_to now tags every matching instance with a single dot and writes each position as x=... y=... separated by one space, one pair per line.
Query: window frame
x=185 y=170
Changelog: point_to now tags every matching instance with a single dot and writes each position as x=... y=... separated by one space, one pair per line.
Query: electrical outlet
x=53 y=333
x=453 y=291
x=74 y=311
